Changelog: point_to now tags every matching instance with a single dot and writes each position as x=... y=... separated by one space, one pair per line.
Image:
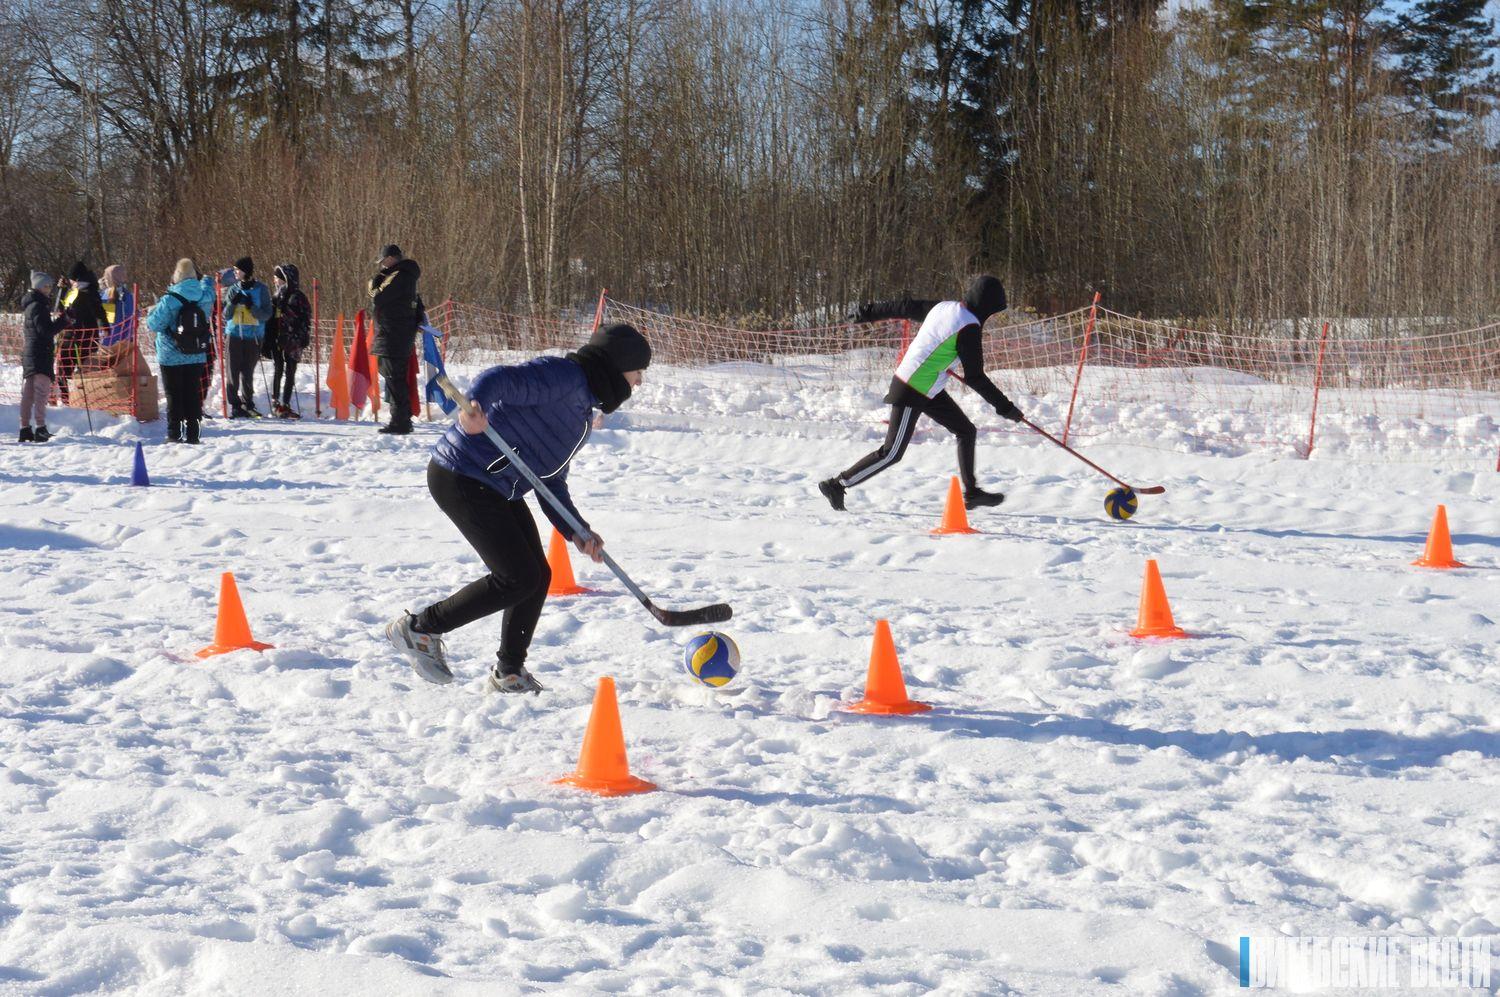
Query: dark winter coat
x=544 y=409
x=290 y=328
x=40 y=334
x=397 y=309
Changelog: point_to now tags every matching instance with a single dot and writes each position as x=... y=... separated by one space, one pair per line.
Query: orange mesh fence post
x=1312 y=426
x=1083 y=352
x=599 y=310
x=219 y=335
x=317 y=356
x=135 y=351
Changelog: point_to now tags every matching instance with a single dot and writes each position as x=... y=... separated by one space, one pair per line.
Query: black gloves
x=1009 y=411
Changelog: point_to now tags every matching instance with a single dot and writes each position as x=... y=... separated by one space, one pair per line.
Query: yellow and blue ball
x=712 y=658
x=1120 y=503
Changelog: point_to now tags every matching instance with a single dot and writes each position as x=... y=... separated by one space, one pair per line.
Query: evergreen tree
x=1447 y=51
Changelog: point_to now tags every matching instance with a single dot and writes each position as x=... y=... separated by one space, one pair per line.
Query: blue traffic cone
x=138 y=476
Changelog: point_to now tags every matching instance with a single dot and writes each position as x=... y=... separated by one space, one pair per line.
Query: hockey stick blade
x=717 y=613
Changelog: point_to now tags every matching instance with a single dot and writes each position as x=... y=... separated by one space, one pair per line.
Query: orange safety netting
x=1413 y=389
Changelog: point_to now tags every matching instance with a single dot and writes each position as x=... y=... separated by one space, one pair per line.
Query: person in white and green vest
x=948 y=338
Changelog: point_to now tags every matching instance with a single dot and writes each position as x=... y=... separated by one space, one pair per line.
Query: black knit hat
x=81 y=273
x=246 y=265
x=985 y=296
x=626 y=348
x=391 y=250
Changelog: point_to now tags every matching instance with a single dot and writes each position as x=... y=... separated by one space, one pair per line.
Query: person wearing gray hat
x=37 y=364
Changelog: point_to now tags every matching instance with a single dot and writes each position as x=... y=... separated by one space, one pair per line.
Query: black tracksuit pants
x=942 y=410
x=397 y=391
x=244 y=354
x=504 y=535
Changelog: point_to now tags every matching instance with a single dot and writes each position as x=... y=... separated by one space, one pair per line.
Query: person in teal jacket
x=247 y=306
x=181 y=372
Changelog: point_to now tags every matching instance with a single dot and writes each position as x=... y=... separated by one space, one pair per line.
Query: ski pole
x=716 y=613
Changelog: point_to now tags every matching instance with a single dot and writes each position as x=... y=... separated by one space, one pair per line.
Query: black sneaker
x=42 y=435
x=833 y=492
x=26 y=435
x=978 y=498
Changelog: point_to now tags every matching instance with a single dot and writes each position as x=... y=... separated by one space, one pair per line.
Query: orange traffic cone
x=1439 y=552
x=602 y=766
x=562 y=568
x=885 y=689
x=232 y=632
x=1155 y=618
x=955 y=518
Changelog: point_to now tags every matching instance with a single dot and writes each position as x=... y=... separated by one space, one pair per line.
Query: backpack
x=192 y=334
x=296 y=321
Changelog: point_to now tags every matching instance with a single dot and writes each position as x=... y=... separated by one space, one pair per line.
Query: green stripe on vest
x=932 y=368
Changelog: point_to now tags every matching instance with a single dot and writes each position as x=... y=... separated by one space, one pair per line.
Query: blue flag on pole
x=434 y=359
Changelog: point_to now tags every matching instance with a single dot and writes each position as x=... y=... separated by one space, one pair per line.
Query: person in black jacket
x=83 y=318
x=287 y=334
x=948 y=338
x=398 y=314
x=37 y=367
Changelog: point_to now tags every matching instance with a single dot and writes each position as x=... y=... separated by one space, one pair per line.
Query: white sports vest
x=933 y=352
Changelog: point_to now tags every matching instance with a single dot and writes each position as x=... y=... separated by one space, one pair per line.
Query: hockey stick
x=1152 y=490
x=717 y=613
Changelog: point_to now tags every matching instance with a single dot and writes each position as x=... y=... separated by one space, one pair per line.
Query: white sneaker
x=424 y=651
x=522 y=681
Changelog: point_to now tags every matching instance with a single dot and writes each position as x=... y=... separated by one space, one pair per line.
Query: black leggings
x=503 y=534
x=942 y=410
x=282 y=366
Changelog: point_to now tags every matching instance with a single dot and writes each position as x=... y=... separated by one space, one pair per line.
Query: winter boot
x=424 y=651
x=26 y=435
x=833 y=492
x=396 y=429
x=978 y=498
x=42 y=435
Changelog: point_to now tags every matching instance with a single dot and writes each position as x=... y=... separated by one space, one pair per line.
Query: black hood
x=290 y=274
x=985 y=297
x=35 y=297
x=82 y=274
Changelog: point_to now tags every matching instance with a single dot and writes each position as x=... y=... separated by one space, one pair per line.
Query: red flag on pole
x=359 y=365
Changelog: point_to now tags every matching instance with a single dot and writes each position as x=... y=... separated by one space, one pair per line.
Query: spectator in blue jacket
x=544 y=409
x=181 y=373
x=247 y=305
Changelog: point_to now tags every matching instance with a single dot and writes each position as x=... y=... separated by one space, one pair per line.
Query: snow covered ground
x=1081 y=813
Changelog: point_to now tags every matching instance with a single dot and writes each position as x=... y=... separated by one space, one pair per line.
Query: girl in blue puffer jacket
x=544 y=409
x=181 y=373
